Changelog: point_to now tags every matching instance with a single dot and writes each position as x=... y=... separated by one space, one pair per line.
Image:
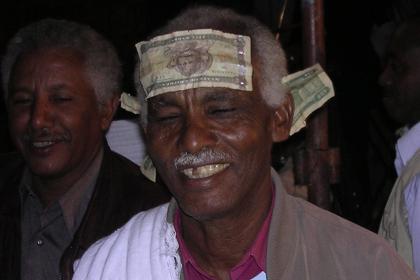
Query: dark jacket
x=120 y=192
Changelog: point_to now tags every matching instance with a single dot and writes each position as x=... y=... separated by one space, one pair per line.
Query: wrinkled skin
x=237 y=125
x=54 y=117
x=401 y=77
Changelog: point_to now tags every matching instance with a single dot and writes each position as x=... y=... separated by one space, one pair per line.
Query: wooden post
x=317 y=150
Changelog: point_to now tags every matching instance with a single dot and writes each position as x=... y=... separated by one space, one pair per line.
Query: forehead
x=205 y=94
x=405 y=38
x=51 y=57
x=53 y=62
x=51 y=71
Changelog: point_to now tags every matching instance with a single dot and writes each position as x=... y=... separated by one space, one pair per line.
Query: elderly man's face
x=401 y=80
x=212 y=148
x=55 y=120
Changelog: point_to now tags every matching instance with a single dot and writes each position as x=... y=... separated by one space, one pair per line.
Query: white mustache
x=205 y=156
x=46 y=135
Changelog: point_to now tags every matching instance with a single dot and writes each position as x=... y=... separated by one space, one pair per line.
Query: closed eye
x=163 y=117
x=221 y=111
x=21 y=99
x=61 y=93
x=167 y=118
x=60 y=99
x=21 y=102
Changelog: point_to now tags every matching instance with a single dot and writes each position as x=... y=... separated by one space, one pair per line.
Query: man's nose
x=41 y=114
x=385 y=79
x=197 y=133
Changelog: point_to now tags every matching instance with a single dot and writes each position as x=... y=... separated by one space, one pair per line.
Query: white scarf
x=134 y=251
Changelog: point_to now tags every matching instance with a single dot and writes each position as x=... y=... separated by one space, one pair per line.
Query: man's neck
x=50 y=190
x=218 y=245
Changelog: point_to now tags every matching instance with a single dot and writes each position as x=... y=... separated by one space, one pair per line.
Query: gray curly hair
x=103 y=66
x=268 y=58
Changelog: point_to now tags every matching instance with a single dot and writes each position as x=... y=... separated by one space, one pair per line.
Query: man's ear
x=283 y=118
x=108 y=110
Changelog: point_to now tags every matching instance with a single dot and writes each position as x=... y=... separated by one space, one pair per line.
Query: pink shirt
x=252 y=263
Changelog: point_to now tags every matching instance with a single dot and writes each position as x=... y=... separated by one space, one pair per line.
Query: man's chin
x=204 y=212
x=46 y=170
x=394 y=112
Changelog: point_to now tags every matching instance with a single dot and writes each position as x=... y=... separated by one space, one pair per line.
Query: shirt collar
x=406 y=146
x=74 y=202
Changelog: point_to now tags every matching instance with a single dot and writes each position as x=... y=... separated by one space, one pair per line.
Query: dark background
x=358 y=124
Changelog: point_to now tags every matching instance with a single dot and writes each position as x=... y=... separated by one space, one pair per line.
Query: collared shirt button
x=39 y=242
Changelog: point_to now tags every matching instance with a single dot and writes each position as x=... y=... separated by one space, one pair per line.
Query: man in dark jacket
x=66 y=188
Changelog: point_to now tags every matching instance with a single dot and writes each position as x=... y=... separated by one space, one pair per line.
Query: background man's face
x=401 y=81
x=231 y=133
x=54 y=116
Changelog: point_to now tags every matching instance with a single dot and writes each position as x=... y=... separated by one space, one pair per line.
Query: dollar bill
x=195 y=58
x=310 y=89
x=130 y=103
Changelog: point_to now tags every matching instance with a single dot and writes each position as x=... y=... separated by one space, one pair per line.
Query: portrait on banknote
x=190 y=58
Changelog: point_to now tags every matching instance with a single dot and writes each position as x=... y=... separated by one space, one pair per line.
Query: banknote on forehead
x=195 y=58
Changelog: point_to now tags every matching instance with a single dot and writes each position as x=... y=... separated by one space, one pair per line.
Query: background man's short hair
x=103 y=66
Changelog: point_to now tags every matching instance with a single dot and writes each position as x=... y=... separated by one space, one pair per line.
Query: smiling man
x=210 y=134
x=66 y=188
